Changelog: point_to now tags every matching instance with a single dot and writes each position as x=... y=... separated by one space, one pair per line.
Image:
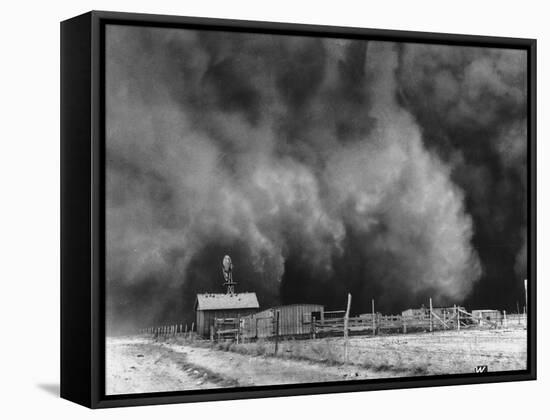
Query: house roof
x=213 y=301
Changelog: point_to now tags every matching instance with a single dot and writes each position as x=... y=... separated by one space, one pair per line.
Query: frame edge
x=75 y=126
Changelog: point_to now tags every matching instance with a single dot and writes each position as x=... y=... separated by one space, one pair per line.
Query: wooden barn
x=209 y=306
x=293 y=320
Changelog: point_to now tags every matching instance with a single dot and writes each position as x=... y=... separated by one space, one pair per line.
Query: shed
x=486 y=316
x=294 y=319
x=209 y=306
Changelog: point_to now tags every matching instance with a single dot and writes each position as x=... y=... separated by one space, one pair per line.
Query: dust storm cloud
x=321 y=166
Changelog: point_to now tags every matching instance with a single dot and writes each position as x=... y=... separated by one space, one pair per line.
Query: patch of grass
x=324 y=351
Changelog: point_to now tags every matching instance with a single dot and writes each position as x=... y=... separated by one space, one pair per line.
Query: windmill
x=227 y=271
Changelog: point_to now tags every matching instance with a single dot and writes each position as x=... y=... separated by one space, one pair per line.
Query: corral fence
x=249 y=328
x=271 y=325
x=337 y=323
x=169 y=330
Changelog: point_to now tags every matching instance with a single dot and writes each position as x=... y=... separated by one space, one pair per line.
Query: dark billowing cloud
x=471 y=105
x=319 y=165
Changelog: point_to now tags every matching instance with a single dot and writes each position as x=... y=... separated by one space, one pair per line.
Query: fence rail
x=253 y=328
x=250 y=328
x=339 y=323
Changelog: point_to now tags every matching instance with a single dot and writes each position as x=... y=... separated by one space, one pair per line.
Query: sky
x=322 y=166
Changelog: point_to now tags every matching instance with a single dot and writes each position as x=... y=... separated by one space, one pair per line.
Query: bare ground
x=136 y=365
x=440 y=353
x=141 y=364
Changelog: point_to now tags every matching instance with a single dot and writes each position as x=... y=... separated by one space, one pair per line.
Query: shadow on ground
x=52 y=389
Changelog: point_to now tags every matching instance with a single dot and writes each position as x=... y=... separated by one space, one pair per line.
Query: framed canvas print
x=256 y=209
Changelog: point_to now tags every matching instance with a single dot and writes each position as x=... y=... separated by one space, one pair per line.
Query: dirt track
x=142 y=365
x=134 y=366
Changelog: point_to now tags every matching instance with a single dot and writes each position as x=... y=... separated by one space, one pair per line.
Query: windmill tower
x=227 y=271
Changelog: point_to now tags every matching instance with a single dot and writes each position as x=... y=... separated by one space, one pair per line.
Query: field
x=144 y=364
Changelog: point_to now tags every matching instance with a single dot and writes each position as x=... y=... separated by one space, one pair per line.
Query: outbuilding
x=294 y=320
x=209 y=306
x=489 y=317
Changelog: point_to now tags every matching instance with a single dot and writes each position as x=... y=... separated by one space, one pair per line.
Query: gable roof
x=213 y=301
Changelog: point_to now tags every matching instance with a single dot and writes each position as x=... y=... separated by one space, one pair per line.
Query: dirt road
x=142 y=365
x=133 y=365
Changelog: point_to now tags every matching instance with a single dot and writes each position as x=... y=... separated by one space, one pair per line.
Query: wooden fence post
x=458 y=319
x=373 y=319
x=346 y=320
x=277 y=333
x=431 y=316
x=504 y=323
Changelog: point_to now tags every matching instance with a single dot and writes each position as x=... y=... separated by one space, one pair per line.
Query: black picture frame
x=83 y=205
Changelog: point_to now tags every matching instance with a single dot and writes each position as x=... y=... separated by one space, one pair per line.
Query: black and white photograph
x=254 y=210
x=287 y=209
